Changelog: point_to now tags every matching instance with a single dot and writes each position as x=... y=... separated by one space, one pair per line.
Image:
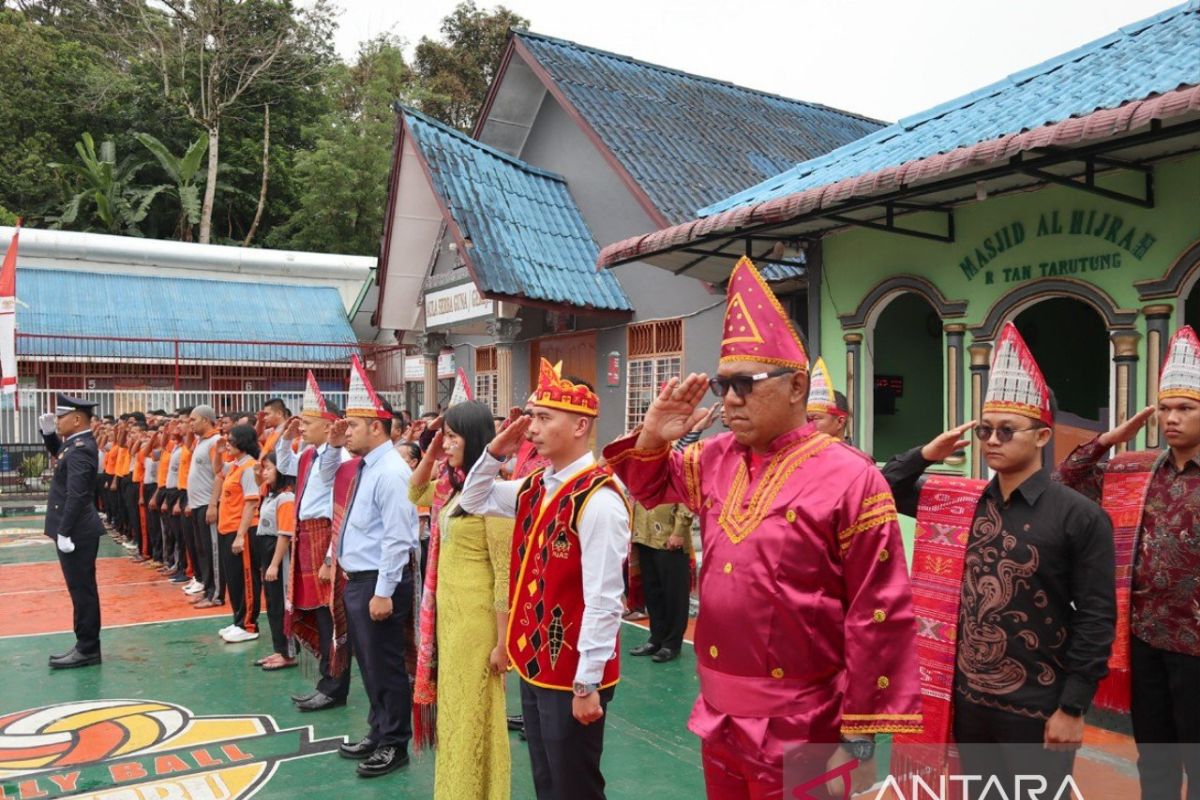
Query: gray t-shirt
x=200 y=474
x=173 y=467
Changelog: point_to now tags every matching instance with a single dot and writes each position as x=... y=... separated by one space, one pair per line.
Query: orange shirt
x=139 y=465
x=268 y=442
x=110 y=461
x=164 y=464
x=239 y=484
x=122 y=461
x=285 y=516
x=185 y=466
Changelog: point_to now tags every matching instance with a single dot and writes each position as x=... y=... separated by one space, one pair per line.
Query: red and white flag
x=8 y=317
x=462 y=389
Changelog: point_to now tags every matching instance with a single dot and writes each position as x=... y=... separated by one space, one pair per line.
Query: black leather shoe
x=360 y=749
x=61 y=656
x=388 y=758
x=648 y=649
x=74 y=659
x=300 y=698
x=664 y=655
x=516 y=723
x=320 y=702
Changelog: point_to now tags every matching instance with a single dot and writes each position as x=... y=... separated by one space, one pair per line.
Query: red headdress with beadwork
x=555 y=391
x=1181 y=372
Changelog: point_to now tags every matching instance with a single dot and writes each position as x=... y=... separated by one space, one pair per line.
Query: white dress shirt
x=603 y=541
x=380 y=528
x=317 y=500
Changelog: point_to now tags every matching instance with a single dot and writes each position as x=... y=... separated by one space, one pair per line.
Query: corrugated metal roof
x=91 y=304
x=528 y=239
x=1154 y=56
x=687 y=140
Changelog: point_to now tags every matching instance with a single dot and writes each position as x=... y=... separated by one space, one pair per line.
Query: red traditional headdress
x=821 y=399
x=756 y=326
x=555 y=391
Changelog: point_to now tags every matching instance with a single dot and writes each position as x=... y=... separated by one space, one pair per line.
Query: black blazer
x=71 y=510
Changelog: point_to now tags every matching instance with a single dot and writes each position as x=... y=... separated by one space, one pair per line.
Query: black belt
x=366 y=575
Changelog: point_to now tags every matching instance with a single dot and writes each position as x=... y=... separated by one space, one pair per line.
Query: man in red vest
x=572 y=534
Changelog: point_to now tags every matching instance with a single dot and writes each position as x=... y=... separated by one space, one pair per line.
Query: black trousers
x=79 y=571
x=998 y=743
x=564 y=754
x=379 y=649
x=274 y=591
x=666 y=582
x=187 y=530
x=208 y=567
x=335 y=686
x=170 y=528
x=1166 y=720
x=133 y=518
x=245 y=589
x=153 y=523
x=122 y=505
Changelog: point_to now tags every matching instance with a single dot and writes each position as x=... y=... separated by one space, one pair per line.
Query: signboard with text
x=456 y=304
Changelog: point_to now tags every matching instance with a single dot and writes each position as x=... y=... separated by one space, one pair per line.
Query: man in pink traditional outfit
x=806 y=631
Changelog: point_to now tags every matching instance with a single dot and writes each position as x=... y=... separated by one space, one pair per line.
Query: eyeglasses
x=743 y=385
x=1004 y=433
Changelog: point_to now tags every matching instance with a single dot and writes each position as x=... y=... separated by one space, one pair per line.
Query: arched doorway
x=1191 y=307
x=907 y=369
x=1069 y=340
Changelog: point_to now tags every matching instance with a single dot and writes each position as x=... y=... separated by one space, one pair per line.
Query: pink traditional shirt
x=806 y=628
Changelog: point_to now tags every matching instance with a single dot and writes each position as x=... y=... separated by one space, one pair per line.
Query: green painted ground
x=648 y=751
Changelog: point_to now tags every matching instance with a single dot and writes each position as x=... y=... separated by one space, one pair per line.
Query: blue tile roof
x=686 y=140
x=92 y=304
x=528 y=239
x=1156 y=55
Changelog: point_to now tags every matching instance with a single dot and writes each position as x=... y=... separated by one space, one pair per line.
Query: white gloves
x=46 y=423
x=66 y=545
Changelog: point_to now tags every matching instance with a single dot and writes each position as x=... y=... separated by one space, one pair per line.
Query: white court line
x=59 y=588
x=225 y=613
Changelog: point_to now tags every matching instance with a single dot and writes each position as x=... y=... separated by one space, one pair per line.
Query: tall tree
x=455 y=73
x=182 y=171
x=344 y=177
x=209 y=54
x=106 y=191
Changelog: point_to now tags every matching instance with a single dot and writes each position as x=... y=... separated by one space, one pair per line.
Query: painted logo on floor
x=142 y=749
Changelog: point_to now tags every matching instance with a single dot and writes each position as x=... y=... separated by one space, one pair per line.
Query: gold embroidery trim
x=691 y=473
x=737 y=521
x=862 y=717
x=876 y=498
x=641 y=455
x=884 y=516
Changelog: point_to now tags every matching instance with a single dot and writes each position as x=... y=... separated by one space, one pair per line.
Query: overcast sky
x=881 y=58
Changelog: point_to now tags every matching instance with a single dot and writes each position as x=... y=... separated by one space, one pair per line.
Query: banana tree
x=183 y=173
x=104 y=191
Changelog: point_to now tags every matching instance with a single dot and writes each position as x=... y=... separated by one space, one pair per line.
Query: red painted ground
x=35 y=600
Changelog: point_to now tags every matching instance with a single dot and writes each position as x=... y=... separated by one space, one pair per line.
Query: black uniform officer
x=73 y=523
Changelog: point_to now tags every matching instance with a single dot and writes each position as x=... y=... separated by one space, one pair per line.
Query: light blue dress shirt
x=381 y=525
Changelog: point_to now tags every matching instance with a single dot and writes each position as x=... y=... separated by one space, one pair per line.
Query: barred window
x=487 y=377
x=655 y=356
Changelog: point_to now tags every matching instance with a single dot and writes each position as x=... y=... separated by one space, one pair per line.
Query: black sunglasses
x=743 y=385
x=1004 y=434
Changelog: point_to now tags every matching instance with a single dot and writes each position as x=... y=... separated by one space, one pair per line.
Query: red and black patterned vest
x=546 y=588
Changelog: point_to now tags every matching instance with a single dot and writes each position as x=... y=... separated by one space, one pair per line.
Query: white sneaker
x=193 y=588
x=129 y=545
x=226 y=629
x=237 y=634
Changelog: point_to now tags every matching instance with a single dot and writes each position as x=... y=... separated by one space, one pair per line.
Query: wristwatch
x=584 y=689
x=862 y=749
x=1070 y=710
x=329 y=561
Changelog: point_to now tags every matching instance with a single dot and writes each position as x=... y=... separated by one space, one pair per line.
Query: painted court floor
x=175 y=713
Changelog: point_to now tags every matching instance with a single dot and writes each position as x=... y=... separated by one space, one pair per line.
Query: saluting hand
x=674 y=412
x=1128 y=429
x=338 y=433
x=509 y=440
x=293 y=429
x=947 y=444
